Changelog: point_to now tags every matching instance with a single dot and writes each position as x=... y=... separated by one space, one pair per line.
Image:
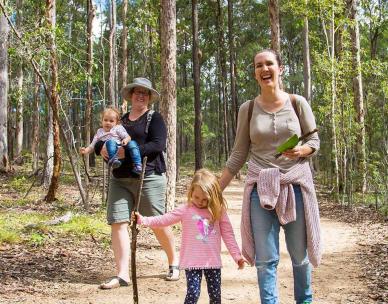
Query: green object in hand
x=290 y=143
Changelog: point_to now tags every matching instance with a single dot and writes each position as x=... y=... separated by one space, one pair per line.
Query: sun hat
x=142 y=83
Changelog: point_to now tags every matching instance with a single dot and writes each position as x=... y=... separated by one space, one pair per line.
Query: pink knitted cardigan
x=276 y=192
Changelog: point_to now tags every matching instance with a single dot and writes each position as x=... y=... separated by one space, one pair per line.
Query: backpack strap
x=293 y=102
x=250 y=110
x=149 y=118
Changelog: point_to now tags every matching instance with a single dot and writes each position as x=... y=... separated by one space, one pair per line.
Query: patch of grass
x=67 y=179
x=82 y=225
x=13 y=226
x=30 y=228
x=20 y=183
x=9 y=237
x=9 y=203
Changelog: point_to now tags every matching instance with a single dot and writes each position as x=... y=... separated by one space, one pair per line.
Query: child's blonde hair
x=111 y=110
x=210 y=185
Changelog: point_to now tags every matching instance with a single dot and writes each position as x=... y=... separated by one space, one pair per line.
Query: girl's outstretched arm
x=164 y=220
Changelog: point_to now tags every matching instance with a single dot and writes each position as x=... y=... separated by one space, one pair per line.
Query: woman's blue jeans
x=266 y=227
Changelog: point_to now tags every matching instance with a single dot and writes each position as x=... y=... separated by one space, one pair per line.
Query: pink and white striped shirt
x=201 y=240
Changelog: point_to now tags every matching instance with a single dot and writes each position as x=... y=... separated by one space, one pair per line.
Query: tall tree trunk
x=232 y=68
x=306 y=58
x=358 y=94
x=273 y=7
x=197 y=92
x=168 y=102
x=51 y=22
x=19 y=90
x=333 y=103
x=222 y=75
x=35 y=126
x=4 y=160
x=89 y=86
x=124 y=53
x=49 y=159
x=112 y=54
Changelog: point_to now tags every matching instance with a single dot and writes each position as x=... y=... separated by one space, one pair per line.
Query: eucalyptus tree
x=197 y=92
x=306 y=55
x=51 y=22
x=273 y=8
x=222 y=76
x=112 y=53
x=353 y=6
x=4 y=30
x=168 y=102
x=124 y=52
x=19 y=90
x=35 y=125
x=232 y=67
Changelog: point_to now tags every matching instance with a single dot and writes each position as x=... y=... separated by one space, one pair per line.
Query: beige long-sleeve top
x=268 y=131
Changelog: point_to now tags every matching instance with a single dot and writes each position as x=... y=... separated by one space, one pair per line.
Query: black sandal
x=109 y=285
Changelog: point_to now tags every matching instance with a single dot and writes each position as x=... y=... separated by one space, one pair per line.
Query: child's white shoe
x=173 y=273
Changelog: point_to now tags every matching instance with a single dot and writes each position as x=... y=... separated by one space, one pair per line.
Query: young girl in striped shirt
x=204 y=222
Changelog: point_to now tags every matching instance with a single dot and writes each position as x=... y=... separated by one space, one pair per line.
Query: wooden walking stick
x=135 y=231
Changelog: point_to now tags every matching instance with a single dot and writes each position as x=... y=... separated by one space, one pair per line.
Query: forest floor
x=68 y=270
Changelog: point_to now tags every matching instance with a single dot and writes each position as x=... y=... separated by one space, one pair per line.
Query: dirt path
x=337 y=280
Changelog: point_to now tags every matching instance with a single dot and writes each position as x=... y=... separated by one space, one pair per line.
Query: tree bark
x=197 y=92
x=333 y=103
x=124 y=53
x=168 y=102
x=358 y=94
x=112 y=54
x=89 y=86
x=51 y=22
x=49 y=159
x=273 y=7
x=222 y=76
x=306 y=58
x=4 y=30
x=35 y=126
x=232 y=68
x=19 y=91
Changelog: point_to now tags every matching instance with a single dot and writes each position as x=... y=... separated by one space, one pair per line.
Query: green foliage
x=20 y=183
x=37 y=239
x=83 y=225
x=16 y=227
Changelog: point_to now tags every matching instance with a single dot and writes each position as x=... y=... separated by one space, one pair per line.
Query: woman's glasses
x=141 y=93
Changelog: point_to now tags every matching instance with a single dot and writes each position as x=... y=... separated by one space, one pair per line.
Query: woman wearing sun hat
x=150 y=132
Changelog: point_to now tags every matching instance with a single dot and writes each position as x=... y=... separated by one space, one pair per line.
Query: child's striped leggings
x=213 y=280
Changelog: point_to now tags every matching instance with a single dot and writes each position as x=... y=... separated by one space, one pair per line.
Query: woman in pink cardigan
x=279 y=191
x=204 y=222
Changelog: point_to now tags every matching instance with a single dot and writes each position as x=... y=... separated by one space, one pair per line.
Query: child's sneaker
x=137 y=169
x=173 y=273
x=114 y=163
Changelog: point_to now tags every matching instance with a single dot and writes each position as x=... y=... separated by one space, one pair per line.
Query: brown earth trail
x=337 y=280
